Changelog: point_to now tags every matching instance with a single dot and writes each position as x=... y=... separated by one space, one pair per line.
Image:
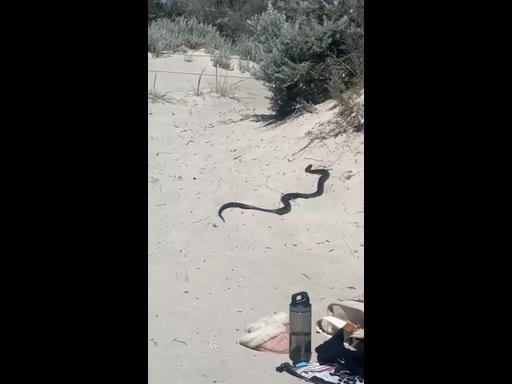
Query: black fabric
x=287 y=367
x=333 y=350
x=339 y=374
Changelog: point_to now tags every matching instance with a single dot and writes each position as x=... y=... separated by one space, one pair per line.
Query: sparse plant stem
x=199 y=81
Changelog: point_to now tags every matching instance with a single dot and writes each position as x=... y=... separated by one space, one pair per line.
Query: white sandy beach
x=209 y=279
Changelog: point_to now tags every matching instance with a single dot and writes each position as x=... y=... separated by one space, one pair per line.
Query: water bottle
x=300 y=328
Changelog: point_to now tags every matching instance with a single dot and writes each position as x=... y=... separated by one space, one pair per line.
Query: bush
x=172 y=35
x=167 y=35
x=222 y=58
x=248 y=49
x=228 y=16
x=304 y=61
x=155 y=9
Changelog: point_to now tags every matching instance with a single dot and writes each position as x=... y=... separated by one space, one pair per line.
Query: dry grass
x=198 y=92
x=156 y=96
x=223 y=86
x=350 y=118
x=302 y=108
x=244 y=66
x=222 y=58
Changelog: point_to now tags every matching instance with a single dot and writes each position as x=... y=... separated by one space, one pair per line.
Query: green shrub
x=304 y=60
x=228 y=16
x=245 y=66
x=169 y=35
x=248 y=49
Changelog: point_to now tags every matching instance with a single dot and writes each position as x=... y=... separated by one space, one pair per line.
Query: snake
x=286 y=198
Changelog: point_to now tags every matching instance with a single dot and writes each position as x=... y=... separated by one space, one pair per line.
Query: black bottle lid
x=300 y=300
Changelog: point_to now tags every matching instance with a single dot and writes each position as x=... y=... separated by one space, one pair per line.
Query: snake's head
x=308 y=168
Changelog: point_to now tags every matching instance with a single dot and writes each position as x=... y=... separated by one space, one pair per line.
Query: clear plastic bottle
x=300 y=328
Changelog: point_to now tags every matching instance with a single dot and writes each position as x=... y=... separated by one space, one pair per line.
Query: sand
x=209 y=279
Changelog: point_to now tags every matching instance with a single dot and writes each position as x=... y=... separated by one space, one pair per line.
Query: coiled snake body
x=285 y=199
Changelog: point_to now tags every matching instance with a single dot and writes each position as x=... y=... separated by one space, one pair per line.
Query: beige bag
x=349 y=315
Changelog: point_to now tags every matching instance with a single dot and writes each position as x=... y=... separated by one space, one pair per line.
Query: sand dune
x=208 y=279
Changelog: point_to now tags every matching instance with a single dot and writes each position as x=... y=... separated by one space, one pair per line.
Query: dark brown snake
x=285 y=199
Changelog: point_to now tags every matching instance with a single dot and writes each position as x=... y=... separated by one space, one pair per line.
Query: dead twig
x=198 y=221
x=348 y=246
x=175 y=340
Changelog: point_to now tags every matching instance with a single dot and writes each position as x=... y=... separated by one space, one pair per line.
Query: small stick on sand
x=198 y=221
x=175 y=340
